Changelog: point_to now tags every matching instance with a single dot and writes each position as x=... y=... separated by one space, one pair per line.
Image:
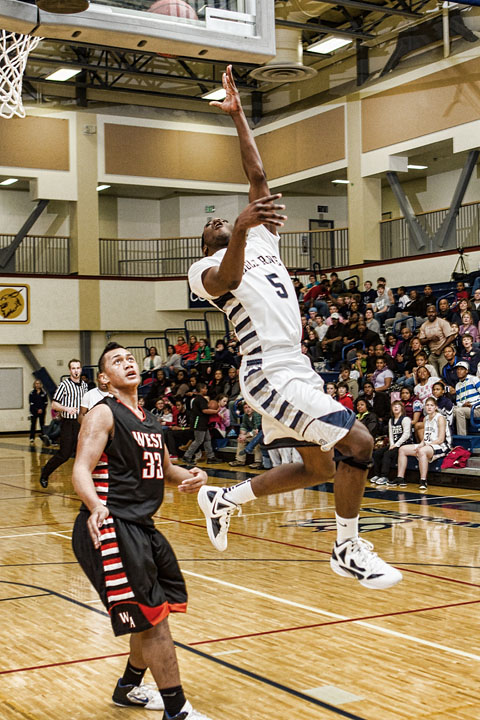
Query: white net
x=14 y=49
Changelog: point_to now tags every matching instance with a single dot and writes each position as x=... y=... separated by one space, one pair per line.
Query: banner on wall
x=196 y=302
x=14 y=304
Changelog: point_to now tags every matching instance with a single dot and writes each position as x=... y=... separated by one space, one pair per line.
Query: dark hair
x=439 y=382
x=108 y=348
x=173 y=349
x=200 y=386
x=343 y=385
x=368 y=382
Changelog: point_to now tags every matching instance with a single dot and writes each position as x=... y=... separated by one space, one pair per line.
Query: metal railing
x=173 y=256
x=40 y=254
x=396 y=242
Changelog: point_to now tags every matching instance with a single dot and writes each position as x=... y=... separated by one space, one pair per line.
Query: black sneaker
x=214 y=461
x=43 y=480
x=45 y=440
x=402 y=482
x=423 y=485
x=146 y=696
x=392 y=483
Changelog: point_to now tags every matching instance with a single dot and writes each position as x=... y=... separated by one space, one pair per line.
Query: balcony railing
x=173 y=256
x=396 y=241
x=40 y=254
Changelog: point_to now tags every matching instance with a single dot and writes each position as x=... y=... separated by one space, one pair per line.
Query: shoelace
x=365 y=548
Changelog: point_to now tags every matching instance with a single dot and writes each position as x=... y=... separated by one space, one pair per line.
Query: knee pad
x=353 y=462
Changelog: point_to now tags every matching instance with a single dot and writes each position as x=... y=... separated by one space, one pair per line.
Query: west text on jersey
x=261 y=260
x=151 y=440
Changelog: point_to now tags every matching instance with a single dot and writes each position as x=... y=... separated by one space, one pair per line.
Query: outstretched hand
x=232 y=103
x=193 y=483
x=263 y=211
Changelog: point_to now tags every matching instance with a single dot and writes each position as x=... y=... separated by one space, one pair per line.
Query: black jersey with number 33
x=132 y=480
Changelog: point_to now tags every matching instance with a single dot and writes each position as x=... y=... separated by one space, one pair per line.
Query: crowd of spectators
x=402 y=360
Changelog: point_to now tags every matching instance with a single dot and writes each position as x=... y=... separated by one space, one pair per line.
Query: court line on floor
x=327 y=613
x=24 y=597
x=336 y=622
x=325 y=552
x=188 y=648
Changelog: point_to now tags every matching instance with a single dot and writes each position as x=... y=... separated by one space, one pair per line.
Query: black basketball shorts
x=134 y=571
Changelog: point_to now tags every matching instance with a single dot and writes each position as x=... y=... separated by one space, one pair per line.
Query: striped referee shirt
x=69 y=394
x=467 y=391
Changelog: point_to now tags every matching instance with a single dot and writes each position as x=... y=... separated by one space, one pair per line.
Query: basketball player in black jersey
x=119 y=474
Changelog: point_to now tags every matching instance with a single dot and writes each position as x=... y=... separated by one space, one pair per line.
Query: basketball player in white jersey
x=242 y=275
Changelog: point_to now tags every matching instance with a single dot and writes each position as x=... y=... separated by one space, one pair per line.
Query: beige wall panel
x=151 y=152
x=308 y=143
x=34 y=142
x=432 y=103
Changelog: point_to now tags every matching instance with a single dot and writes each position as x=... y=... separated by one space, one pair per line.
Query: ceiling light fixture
x=218 y=94
x=63 y=74
x=340 y=182
x=417 y=167
x=102 y=187
x=328 y=45
x=10 y=181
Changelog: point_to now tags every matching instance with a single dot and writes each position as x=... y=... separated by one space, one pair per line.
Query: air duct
x=287 y=65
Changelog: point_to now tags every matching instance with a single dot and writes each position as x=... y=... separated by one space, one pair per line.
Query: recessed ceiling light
x=10 y=181
x=218 y=94
x=63 y=74
x=328 y=45
x=417 y=167
x=102 y=187
x=340 y=182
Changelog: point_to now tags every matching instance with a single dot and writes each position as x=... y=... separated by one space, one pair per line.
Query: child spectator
x=250 y=426
x=344 y=397
x=367 y=417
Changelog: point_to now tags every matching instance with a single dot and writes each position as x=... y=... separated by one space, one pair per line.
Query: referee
x=66 y=401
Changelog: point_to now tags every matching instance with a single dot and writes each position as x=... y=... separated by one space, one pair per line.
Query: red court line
x=249 y=635
x=316 y=550
x=335 y=622
x=66 y=662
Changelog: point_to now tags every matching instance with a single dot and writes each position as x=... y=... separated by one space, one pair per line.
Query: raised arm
x=251 y=160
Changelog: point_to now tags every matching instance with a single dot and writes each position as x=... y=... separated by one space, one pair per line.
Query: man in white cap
x=467 y=395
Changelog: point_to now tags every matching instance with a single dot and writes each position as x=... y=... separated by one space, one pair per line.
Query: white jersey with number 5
x=264 y=308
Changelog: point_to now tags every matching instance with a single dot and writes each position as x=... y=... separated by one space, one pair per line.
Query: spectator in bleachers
x=37 y=401
x=182 y=382
x=220 y=422
x=378 y=402
x=231 y=387
x=461 y=292
x=382 y=378
x=435 y=445
x=163 y=412
x=351 y=383
x=465 y=306
x=360 y=362
x=337 y=286
x=421 y=360
x=475 y=301
x=332 y=343
x=331 y=389
x=444 y=403
x=180 y=432
x=381 y=305
x=399 y=433
x=250 y=426
x=344 y=396
x=380 y=353
x=368 y=295
x=333 y=310
x=306 y=351
x=320 y=328
x=445 y=312
x=467 y=395
x=157 y=389
x=200 y=413
x=312 y=342
x=181 y=347
x=353 y=288
x=297 y=284
x=189 y=357
x=449 y=372
x=468 y=353
x=435 y=334
x=343 y=308
x=467 y=326
x=366 y=335
x=216 y=384
x=312 y=315
x=350 y=329
x=152 y=362
x=173 y=361
x=424 y=386
x=428 y=298
x=392 y=345
x=367 y=417
x=371 y=322
x=316 y=297
x=204 y=356
x=223 y=357
x=191 y=392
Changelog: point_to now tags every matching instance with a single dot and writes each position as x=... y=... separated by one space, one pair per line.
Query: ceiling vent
x=287 y=65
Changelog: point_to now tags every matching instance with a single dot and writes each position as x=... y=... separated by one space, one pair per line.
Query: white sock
x=241 y=493
x=347 y=528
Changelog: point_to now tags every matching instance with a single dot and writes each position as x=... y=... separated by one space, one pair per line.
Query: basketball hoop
x=14 y=49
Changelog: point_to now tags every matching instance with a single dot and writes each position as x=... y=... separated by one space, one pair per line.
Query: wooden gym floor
x=271 y=632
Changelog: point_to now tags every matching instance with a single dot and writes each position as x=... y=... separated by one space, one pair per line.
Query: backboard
x=239 y=30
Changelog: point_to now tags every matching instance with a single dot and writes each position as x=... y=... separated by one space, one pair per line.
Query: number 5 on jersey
x=152 y=467
x=280 y=287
